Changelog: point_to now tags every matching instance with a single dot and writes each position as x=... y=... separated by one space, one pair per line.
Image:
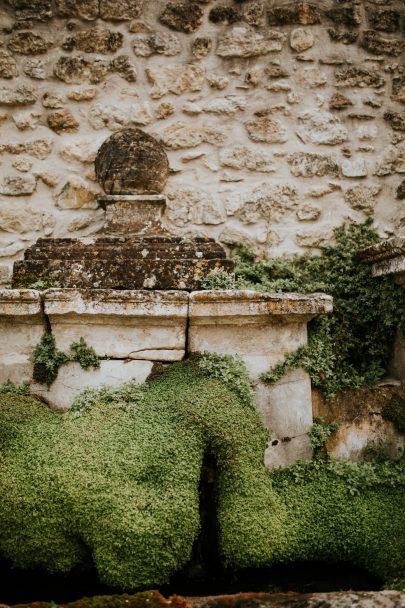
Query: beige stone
x=75 y=70
x=301 y=39
x=164 y=110
x=266 y=201
x=53 y=101
x=77 y=194
x=308 y=213
x=362 y=197
x=28 y=219
x=174 y=79
x=191 y=205
x=18 y=185
x=82 y=94
x=82 y=150
x=217 y=81
x=267 y=130
x=243 y=157
x=26 y=120
x=181 y=135
x=307 y=164
x=391 y=160
x=354 y=167
x=229 y=105
x=62 y=122
x=8 y=65
x=35 y=68
x=319 y=127
x=160 y=43
x=312 y=78
x=72 y=380
x=244 y=41
x=22 y=164
x=20 y=96
x=315 y=238
x=94 y=40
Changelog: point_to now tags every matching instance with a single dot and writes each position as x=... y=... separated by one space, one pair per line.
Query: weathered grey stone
x=35 y=68
x=312 y=77
x=164 y=110
x=26 y=120
x=103 y=116
x=132 y=162
x=392 y=160
x=161 y=43
x=243 y=157
x=62 y=122
x=201 y=47
x=226 y=105
x=20 y=96
x=36 y=10
x=284 y=452
x=306 y=164
x=22 y=164
x=395 y=120
x=83 y=9
x=187 y=205
x=398 y=88
x=75 y=70
x=94 y=40
x=244 y=41
x=8 y=249
x=265 y=201
x=300 y=13
x=18 y=185
x=339 y=102
x=377 y=44
x=40 y=148
x=121 y=10
x=318 y=127
x=217 y=81
x=174 y=79
x=354 y=167
x=301 y=39
x=314 y=239
x=182 y=16
x=362 y=198
x=77 y=194
x=28 y=43
x=83 y=151
x=343 y=36
x=123 y=66
x=384 y=19
x=53 y=101
x=253 y=13
x=267 y=130
x=357 y=76
x=348 y=16
x=8 y=66
x=308 y=213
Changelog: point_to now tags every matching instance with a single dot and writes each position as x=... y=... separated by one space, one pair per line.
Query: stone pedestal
x=21 y=327
x=262 y=328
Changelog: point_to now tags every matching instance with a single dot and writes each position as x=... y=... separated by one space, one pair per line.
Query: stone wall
x=281 y=120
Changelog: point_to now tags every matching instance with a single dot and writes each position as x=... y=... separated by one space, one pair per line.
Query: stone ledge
x=386 y=257
x=20 y=302
x=230 y=306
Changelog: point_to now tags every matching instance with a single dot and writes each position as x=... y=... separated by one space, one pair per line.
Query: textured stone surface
x=181 y=135
x=354 y=167
x=8 y=65
x=177 y=80
x=182 y=16
x=303 y=13
x=240 y=157
x=121 y=10
x=87 y=10
x=384 y=20
x=28 y=43
x=76 y=194
x=267 y=130
x=266 y=201
x=317 y=127
x=123 y=66
x=20 y=96
x=243 y=41
x=62 y=122
x=37 y=10
x=358 y=76
x=17 y=185
x=305 y=164
x=74 y=70
x=201 y=47
x=301 y=39
x=161 y=43
x=191 y=205
x=94 y=40
x=131 y=162
x=35 y=68
x=362 y=197
x=39 y=148
x=375 y=43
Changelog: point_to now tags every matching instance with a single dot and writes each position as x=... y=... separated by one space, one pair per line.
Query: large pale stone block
x=283 y=453
x=120 y=324
x=286 y=405
x=259 y=327
x=21 y=328
x=72 y=380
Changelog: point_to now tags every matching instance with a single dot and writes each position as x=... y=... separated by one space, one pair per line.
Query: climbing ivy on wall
x=352 y=346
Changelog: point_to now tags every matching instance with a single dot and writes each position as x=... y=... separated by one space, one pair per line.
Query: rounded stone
x=131 y=162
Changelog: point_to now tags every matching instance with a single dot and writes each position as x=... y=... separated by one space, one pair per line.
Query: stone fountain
x=131 y=293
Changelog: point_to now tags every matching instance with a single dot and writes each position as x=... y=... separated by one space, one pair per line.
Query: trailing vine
x=352 y=346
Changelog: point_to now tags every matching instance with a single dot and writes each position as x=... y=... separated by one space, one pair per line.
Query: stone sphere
x=131 y=162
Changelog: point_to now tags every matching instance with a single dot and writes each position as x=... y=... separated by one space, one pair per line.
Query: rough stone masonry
x=281 y=120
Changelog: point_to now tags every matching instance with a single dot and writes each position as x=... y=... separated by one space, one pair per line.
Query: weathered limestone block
x=36 y=10
x=83 y=94
x=77 y=194
x=314 y=239
x=387 y=258
x=187 y=205
x=398 y=88
x=181 y=135
x=35 y=68
x=139 y=325
x=123 y=66
x=40 y=148
x=312 y=78
x=28 y=43
x=267 y=130
x=358 y=76
x=377 y=44
x=182 y=16
x=26 y=220
x=308 y=213
x=94 y=40
x=62 y=122
x=18 y=185
x=354 y=167
x=120 y=10
x=281 y=453
x=161 y=43
x=348 y=16
x=259 y=327
x=174 y=79
x=266 y=201
x=113 y=117
x=243 y=157
x=21 y=327
x=301 y=40
x=302 y=13
x=343 y=36
x=72 y=380
x=339 y=102
x=395 y=120
x=26 y=120
x=391 y=160
x=201 y=47
x=318 y=127
x=362 y=198
x=75 y=70
x=384 y=19
x=20 y=96
x=306 y=164
x=244 y=41
x=8 y=65
x=231 y=104
x=87 y=10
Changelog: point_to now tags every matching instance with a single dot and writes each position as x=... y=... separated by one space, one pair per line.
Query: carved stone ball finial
x=131 y=162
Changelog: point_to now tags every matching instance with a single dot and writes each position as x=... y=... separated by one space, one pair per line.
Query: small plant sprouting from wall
x=319 y=435
x=352 y=346
x=47 y=359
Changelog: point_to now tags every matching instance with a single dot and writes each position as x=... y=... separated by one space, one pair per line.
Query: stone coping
x=225 y=304
x=384 y=250
x=219 y=304
x=20 y=302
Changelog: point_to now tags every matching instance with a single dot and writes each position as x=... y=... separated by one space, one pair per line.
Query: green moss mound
x=115 y=481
